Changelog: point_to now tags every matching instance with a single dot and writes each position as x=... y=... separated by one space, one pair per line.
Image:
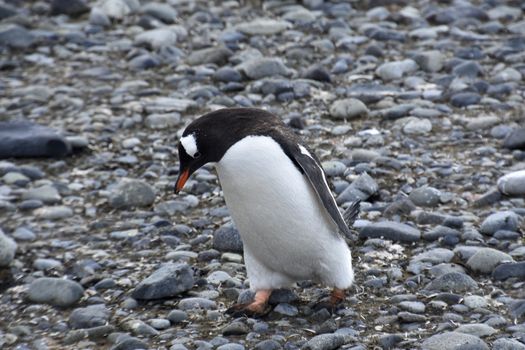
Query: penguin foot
x=332 y=303
x=258 y=308
x=249 y=310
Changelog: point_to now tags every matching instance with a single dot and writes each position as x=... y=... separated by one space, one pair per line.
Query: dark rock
x=7 y=11
x=15 y=36
x=317 y=73
x=227 y=239
x=440 y=232
x=463 y=99
x=389 y=341
x=218 y=55
x=268 y=344
x=88 y=317
x=22 y=139
x=324 y=342
x=515 y=140
x=130 y=343
x=391 y=230
x=517 y=308
x=469 y=69
x=503 y=220
x=361 y=188
x=509 y=270
x=170 y=280
x=425 y=196
x=72 y=8
x=235 y=328
x=227 y=74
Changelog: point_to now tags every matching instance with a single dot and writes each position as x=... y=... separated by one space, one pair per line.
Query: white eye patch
x=190 y=145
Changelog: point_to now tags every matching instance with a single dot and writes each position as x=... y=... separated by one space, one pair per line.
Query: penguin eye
x=197 y=155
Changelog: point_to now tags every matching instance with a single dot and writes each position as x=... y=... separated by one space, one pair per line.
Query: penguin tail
x=351 y=213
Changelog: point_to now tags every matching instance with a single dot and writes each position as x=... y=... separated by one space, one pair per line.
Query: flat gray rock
x=503 y=220
x=391 y=230
x=168 y=281
x=324 y=342
x=263 y=26
x=131 y=193
x=454 y=341
x=485 y=260
x=55 y=291
x=88 y=317
x=512 y=184
x=24 y=139
x=7 y=249
x=452 y=282
x=349 y=108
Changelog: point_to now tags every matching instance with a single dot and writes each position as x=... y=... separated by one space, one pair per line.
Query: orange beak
x=183 y=177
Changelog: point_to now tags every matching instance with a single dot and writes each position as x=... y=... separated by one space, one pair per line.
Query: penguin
x=278 y=197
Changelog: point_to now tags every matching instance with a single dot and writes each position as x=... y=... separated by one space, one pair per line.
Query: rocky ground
x=416 y=108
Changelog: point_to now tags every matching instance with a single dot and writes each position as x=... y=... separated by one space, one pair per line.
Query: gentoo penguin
x=279 y=200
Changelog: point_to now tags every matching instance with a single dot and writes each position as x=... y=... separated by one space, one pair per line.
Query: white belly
x=287 y=234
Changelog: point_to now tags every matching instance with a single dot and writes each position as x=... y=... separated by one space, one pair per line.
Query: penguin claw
x=249 y=310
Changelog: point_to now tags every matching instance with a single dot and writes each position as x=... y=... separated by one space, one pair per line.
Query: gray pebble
x=425 y=196
x=196 y=303
x=504 y=220
x=485 y=260
x=512 y=184
x=88 y=317
x=169 y=280
x=394 y=231
x=454 y=341
x=350 y=108
x=235 y=328
x=7 y=249
x=324 y=342
x=452 y=282
x=177 y=316
x=132 y=193
x=477 y=329
x=55 y=291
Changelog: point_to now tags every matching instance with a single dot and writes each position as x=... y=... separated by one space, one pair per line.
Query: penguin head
x=208 y=138
x=194 y=152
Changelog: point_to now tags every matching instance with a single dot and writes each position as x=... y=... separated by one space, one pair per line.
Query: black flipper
x=315 y=174
x=351 y=213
